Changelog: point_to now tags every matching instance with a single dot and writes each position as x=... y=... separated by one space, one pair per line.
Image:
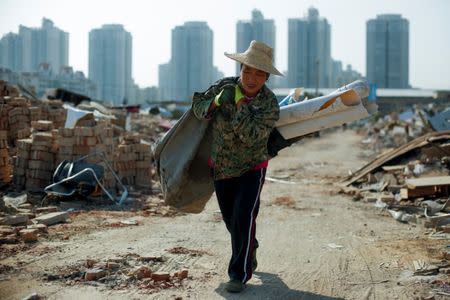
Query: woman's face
x=252 y=80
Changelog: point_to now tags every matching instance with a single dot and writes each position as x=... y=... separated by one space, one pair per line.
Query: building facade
x=309 y=51
x=44 y=78
x=387 y=52
x=259 y=29
x=25 y=51
x=191 y=65
x=110 y=63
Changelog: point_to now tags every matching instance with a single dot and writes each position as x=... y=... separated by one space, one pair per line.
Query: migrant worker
x=242 y=112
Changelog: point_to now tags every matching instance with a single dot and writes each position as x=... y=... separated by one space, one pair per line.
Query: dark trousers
x=239 y=203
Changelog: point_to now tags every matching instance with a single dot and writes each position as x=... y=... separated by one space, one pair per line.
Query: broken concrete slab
x=52 y=218
x=15 y=200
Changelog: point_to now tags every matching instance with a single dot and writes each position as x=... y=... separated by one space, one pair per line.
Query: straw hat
x=259 y=56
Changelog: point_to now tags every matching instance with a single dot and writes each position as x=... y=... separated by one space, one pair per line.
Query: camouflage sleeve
x=252 y=123
x=201 y=102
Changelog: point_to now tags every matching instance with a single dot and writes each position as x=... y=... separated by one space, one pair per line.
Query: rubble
x=52 y=218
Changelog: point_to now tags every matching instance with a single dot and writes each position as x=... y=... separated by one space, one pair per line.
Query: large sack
x=182 y=164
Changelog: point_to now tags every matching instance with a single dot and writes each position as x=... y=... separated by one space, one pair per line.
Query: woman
x=243 y=112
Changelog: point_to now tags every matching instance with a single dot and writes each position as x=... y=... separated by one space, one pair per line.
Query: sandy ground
x=314 y=242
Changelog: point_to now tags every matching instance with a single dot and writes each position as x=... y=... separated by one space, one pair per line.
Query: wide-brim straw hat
x=259 y=56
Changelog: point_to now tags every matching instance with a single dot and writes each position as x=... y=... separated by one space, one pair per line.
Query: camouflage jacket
x=240 y=135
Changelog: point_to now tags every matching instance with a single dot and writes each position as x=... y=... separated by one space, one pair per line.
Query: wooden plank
x=427 y=181
x=393 y=168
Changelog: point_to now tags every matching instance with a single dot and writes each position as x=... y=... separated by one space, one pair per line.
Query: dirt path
x=314 y=243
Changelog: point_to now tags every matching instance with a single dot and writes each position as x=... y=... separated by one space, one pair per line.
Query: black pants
x=239 y=203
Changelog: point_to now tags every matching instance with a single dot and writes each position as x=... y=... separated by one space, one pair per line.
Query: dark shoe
x=254 y=261
x=235 y=286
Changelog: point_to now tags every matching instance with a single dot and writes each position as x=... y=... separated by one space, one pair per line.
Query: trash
x=335 y=246
x=280 y=180
x=129 y=222
x=402 y=216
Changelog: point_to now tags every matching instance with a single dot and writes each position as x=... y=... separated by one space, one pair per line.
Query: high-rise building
x=258 y=28
x=387 y=58
x=309 y=51
x=110 y=62
x=191 y=66
x=31 y=47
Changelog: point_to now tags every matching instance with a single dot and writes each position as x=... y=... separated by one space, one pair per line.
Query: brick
x=42 y=125
x=160 y=276
x=41 y=155
x=29 y=235
x=66 y=141
x=143 y=272
x=40 y=165
x=52 y=218
x=84 y=131
x=183 y=273
x=40 y=147
x=112 y=265
x=39 y=174
x=94 y=274
x=66 y=132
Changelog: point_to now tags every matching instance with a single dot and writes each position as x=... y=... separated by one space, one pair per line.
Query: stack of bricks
x=5 y=165
x=132 y=161
x=19 y=119
x=34 y=163
x=74 y=143
x=54 y=111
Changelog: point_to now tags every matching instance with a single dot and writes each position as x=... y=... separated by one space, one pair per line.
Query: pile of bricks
x=54 y=111
x=34 y=163
x=132 y=161
x=74 y=143
x=5 y=165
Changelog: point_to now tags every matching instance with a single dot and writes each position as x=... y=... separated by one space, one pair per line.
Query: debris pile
x=411 y=182
x=123 y=271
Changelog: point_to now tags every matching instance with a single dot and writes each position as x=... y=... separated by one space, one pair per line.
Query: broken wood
x=428 y=186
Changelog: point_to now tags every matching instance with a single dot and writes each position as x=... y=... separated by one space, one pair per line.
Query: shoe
x=254 y=261
x=235 y=286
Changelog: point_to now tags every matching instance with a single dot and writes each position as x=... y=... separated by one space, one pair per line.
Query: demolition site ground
x=315 y=243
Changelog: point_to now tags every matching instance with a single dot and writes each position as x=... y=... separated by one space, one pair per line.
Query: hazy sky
x=151 y=22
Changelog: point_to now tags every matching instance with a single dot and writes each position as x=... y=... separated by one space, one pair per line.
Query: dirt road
x=314 y=243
